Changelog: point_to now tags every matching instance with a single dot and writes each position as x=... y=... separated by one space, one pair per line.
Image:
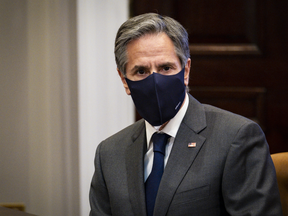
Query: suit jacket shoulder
x=125 y=137
x=199 y=116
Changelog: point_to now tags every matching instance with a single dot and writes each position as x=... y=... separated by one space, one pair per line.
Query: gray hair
x=150 y=23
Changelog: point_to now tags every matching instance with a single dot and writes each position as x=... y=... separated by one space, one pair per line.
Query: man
x=216 y=163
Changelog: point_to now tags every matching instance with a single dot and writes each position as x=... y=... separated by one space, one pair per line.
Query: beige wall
x=60 y=96
x=104 y=107
x=14 y=149
x=38 y=112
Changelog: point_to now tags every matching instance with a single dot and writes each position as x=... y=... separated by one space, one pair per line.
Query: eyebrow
x=137 y=67
x=167 y=63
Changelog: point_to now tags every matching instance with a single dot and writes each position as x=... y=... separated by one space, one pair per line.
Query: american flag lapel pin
x=192 y=145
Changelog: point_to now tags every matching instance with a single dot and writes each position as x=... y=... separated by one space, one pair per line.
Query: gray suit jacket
x=229 y=172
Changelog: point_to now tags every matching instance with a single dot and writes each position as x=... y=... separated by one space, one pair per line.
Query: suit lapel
x=135 y=171
x=181 y=157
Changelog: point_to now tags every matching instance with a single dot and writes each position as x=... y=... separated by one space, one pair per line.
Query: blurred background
x=60 y=93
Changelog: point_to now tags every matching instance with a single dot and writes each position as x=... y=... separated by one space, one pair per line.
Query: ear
x=124 y=82
x=187 y=72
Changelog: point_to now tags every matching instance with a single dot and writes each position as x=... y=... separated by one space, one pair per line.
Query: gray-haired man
x=215 y=163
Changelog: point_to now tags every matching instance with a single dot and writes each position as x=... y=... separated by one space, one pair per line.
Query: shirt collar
x=173 y=125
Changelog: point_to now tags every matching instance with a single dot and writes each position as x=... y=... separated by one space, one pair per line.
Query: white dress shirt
x=171 y=129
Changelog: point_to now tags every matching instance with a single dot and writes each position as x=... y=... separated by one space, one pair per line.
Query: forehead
x=151 y=47
x=151 y=39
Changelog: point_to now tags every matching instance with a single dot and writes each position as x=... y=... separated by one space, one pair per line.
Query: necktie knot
x=159 y=142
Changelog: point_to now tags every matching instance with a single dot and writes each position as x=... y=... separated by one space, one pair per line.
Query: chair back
x=280 y=161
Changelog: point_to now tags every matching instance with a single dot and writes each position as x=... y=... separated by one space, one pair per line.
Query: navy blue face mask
x=158 y=97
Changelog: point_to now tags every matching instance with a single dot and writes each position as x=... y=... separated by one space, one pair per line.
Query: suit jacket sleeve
x=99 y=203
x=249 y=184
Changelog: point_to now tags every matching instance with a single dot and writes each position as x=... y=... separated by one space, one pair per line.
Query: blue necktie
x=153 y=181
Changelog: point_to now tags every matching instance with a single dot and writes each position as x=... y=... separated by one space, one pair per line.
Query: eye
x=166 y=68
x=141 y=71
